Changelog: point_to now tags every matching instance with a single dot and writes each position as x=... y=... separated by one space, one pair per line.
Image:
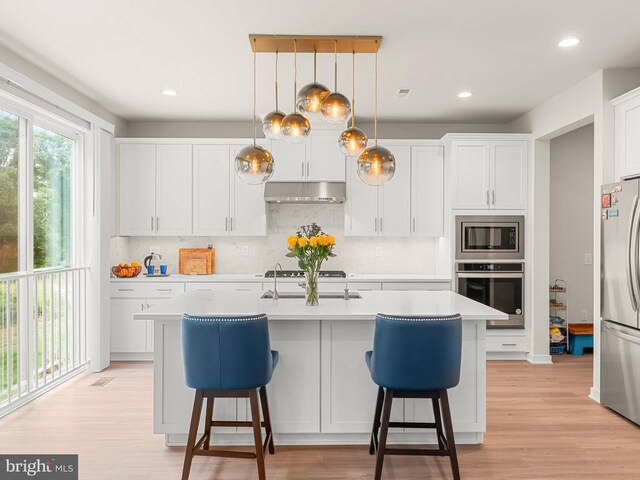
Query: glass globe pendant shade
x=310 y=97
x=272 y=125
x=376 y=166
x=254 y=164
x=336 y=108
x=352 y=142
x=295 y=128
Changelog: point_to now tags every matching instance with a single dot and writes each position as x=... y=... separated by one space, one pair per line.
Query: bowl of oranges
x=127 y=270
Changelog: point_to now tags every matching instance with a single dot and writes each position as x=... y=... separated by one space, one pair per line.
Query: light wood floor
x=541 y=425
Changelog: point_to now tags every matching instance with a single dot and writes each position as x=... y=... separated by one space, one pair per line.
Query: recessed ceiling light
x=464 y=94
x=169 y=92
x=569 y=42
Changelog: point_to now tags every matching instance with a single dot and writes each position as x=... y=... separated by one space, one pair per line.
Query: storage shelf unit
x=558 y=316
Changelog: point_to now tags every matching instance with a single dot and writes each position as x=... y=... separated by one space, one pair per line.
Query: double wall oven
x=490 y=264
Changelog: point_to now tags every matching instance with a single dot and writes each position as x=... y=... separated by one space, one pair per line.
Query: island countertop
x=429 y=303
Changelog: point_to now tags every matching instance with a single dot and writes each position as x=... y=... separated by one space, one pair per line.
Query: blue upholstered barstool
x=415 y=357
x=228 y=357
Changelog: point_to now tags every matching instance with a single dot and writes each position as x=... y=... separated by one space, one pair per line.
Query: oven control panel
x=490 y=267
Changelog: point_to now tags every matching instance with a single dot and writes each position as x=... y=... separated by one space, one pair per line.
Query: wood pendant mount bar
x=315 y=43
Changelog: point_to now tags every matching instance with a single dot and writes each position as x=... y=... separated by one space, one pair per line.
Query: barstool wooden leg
x=448 y=426
x=438 y=419
x=373 y=445
x=384 y=429
x=257 y=432
x=267 y=418
x=208 y=417
x=193 y=431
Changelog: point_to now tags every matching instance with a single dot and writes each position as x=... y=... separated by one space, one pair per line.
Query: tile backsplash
x=354 y=254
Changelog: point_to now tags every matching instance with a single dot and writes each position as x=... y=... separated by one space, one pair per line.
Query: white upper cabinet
x=137 y=189
x=247 y=210
x=627 y=134
x=489 y=174
x=290 y=161
x=509 y=175
x=317 y=159
x=427 y=191
x=176 y=190
x=384 y=210
x=361 y=207
x=395 y=196
x=211 y=189
x=173 y=190
x=155 y=189
x=326 y=162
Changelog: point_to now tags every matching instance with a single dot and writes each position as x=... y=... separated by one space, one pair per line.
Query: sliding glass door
x=42 y=284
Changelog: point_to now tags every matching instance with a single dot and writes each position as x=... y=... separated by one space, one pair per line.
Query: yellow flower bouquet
x=311 y=246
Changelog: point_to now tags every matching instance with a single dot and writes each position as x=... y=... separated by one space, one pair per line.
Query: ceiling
x=124 y=53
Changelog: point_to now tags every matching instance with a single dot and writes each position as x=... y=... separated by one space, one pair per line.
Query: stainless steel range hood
x=305 y=192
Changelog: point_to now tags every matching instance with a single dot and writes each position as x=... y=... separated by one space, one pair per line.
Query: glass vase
x=312 y=293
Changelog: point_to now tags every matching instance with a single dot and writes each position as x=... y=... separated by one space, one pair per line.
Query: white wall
x=571 y=217
x=354 y=255
x=168 y=129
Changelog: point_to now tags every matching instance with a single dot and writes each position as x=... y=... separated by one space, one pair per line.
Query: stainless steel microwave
x=489 y=237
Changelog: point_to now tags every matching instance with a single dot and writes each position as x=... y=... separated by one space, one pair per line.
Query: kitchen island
x=321 y=391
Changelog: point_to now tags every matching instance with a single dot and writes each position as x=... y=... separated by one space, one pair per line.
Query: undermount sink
x=329 y=295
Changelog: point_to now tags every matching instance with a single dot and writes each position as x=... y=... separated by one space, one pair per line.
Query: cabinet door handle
x=414 y=224
x=157 y=224
x=381 y=224
x=231 y=224
x=226 y=223
x=302 y=165
x=164 y=290
x=125 y=289
x=508 y=344
x=308 y=169
x=142 y=305
x=152 y=224
x=487 y=197
x=375 y=226
x=204 y=290
x=493 y=197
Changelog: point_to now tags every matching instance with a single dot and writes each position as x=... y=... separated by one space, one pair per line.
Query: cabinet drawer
x=507 y=344
x=224 y=287
x=145 y=290
x=403 y=286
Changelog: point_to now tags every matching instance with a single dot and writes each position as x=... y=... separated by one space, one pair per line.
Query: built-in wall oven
x=498 y=285
x=488 y=248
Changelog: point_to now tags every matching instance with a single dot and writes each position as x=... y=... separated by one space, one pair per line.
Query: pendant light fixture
x=295 y=127
x=376 y=165
x=254 y=164
x=310 y=96
x=336 y=107
x=353 y=141
x=271 y=124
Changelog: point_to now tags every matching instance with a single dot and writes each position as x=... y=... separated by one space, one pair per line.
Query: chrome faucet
x=275 y=280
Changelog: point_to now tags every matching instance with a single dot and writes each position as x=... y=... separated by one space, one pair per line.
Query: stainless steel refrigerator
x=620 y=298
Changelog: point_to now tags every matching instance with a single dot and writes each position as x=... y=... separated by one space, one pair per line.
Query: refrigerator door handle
x=632 y=255
x=620 y=333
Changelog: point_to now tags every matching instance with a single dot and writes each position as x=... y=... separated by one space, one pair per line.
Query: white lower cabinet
x=502 y=343
x=348 y=393
x=409 y=286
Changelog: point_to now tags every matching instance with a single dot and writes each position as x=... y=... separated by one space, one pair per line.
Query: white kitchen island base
x=321 y=391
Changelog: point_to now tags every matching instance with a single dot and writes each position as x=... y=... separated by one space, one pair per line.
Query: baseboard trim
x=594 y=394
x=507 y=356
x=131 y=357
x=539 y=359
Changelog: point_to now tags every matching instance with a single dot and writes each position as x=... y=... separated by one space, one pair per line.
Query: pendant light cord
x=353 y=91
x=375 y=113
x=276 y=80
x=295 y=74
x=335 y=65
x=254 y=91
x=314 y=65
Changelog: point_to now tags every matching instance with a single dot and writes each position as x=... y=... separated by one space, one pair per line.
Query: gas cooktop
x=300 y=274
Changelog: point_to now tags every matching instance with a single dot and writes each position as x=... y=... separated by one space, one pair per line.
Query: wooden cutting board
x=197 y=261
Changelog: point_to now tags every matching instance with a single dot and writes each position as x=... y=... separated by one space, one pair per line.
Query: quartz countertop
x=259 y=277
x=365 y=308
